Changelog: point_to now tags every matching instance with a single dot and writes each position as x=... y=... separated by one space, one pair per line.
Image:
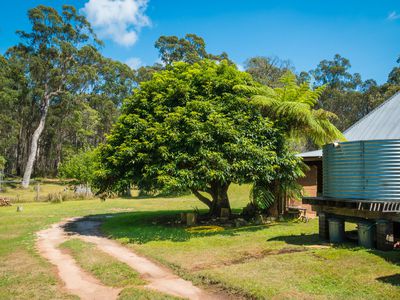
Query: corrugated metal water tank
x=362 y=170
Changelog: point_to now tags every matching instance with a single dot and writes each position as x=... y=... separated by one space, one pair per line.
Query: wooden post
x=37 y=191
x=190 y=219
x=225 y=212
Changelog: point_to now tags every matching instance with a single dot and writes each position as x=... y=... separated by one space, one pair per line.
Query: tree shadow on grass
x=314 y=240
x=390 y=256
x=391 y=279
x=144 y=227
x=299 y=240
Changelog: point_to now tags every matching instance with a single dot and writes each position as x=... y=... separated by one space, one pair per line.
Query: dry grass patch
x=27 y=276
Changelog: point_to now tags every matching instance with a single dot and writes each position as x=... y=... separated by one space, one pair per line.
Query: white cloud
x=393 y=16
x=134 y=62
x=118 y=20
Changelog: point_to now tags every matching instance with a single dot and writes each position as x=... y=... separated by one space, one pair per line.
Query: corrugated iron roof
x=383 y=123
x=315 y=153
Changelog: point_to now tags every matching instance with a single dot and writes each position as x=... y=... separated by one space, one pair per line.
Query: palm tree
x=292 y=108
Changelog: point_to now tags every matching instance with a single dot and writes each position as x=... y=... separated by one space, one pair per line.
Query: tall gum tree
x=58 y=56
x=188 y=129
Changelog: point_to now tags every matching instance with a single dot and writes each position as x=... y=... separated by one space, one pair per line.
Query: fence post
x=1 y=180
x=37 y=191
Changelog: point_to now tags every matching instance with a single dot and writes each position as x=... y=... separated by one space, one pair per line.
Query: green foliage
x=292 y=109
x=188 y=128
x=10 y=93
x=261 y=196
x=335 y=73
x=2 y=163
x=81 y=167
x=190 y=49
x=268 y=70
x=346 y=94
x=56 y=75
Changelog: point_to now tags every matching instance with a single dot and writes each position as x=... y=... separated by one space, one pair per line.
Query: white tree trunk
x=34 y=145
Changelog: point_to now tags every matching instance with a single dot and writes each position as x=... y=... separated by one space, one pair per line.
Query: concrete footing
x=323 y=226
x=366 y=234
x=336 y=230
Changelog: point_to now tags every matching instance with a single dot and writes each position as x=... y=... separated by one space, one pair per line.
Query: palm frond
x=261 y=196
x=292 y=106
x=254 y=90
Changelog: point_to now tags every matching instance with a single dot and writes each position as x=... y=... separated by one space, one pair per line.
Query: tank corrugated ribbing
x=363 y=170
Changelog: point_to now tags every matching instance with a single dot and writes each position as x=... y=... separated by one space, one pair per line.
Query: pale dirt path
x=82 y=284
x=76 y=280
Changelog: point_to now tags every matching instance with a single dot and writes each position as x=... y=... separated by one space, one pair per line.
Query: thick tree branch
x=54 y=93
x=202 y=198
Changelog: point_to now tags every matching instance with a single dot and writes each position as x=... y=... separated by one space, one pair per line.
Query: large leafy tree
x=188 y=128
x=58 y=56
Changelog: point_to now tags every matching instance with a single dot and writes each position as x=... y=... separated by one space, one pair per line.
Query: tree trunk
x=275 y=208
x=219 y=193
x=34 y=144
x=279 y=206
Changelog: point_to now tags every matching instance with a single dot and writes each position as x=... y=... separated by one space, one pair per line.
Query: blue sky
x=304 y=31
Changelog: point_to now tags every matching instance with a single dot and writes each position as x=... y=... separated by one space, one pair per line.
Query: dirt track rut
x=84 y=285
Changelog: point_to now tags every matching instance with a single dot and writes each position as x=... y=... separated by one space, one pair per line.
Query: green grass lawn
x=280 y=261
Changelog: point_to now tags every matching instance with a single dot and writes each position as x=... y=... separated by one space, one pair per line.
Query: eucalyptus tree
x=8 y=101
x=58 y=54
x=268 y=70
x=394 y=75
x=190 y=49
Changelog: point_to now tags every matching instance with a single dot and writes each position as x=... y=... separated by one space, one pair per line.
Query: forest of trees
x=59 y=94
